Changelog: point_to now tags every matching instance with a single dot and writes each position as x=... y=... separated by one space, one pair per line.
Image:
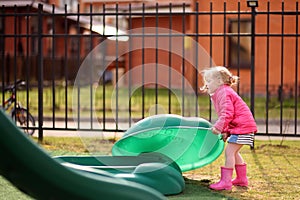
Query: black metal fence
x=108 y=67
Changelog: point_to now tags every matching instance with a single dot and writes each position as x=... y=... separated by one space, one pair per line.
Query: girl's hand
x=215 y=131
x=225 y=136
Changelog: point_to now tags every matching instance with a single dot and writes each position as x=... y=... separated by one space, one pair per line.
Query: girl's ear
x=220 y=80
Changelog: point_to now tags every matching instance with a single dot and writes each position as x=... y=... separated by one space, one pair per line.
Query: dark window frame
x=238 y=47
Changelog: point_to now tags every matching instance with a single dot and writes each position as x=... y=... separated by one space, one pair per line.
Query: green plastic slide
x=186 y=140
x=142 y=167
x=34 y=172
x=152 y=169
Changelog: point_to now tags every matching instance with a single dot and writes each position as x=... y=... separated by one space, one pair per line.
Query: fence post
x=252 y=4
x=40 y=73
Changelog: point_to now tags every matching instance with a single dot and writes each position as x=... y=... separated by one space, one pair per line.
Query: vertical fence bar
x=296 y=70
x=252 y=89
x=91 y=69
x=224 y=36
x=66 y=66
x=53 y=65
x=129 y=64
x=170 y=59
x=15 y=55
x=238 y=44
x=252 y=74
x=281 y=66
x=78 y=66
x=156 y=57
x=79 y=81
x=183 y=58
x=196 y=57
x=2 y=42
x=117 y=67
x=143 y=61
x=104 y=64
x=40 y=72
x=27 y=66
x=268 y=68
x=210 y=50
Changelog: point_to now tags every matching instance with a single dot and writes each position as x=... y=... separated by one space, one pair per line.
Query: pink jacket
x=234 y=116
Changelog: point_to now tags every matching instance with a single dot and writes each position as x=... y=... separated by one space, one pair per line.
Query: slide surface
x=186 y=140
x=152 y=169
x=34 y=172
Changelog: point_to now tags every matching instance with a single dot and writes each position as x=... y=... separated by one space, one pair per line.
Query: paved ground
x=273 y=128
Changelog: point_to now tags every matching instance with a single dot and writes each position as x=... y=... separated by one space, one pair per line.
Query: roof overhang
x=111 y=32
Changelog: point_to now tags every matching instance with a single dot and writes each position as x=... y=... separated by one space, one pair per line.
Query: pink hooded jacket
x=234 y=116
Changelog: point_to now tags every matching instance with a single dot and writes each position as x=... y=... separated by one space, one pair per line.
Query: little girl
x=235 y=122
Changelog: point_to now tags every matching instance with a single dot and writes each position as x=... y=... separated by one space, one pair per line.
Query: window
x=240 y=46
x=71 y=5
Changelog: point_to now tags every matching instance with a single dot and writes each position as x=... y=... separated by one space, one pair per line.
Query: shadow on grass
x=198 y=189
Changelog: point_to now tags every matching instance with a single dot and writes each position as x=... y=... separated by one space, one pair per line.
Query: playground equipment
x=151 y=169
x=142 y=165
x=186 y=140
x=34 y=172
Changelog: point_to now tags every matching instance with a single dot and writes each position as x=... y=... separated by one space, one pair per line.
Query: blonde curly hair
x=221 y=74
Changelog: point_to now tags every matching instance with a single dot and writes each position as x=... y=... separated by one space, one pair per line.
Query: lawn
x=103 y=101
x=273 y=170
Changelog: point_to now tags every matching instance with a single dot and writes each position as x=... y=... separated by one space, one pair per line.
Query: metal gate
x=108 y=67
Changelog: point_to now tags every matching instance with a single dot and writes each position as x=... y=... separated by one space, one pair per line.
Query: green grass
x=100 y=100
x=273 y=171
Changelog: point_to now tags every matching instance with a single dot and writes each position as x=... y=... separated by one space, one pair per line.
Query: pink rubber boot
x=241 y=175
x=225 y=181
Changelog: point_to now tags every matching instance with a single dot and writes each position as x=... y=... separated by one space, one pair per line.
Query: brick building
x=222 y=29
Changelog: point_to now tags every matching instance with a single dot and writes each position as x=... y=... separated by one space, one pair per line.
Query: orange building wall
x=150 y=59
x=275 y=60
x=261 y=58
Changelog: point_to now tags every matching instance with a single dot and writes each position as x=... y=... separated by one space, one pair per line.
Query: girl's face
x=212 y=83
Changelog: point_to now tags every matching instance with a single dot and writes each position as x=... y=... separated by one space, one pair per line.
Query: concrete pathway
x=272 y=128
